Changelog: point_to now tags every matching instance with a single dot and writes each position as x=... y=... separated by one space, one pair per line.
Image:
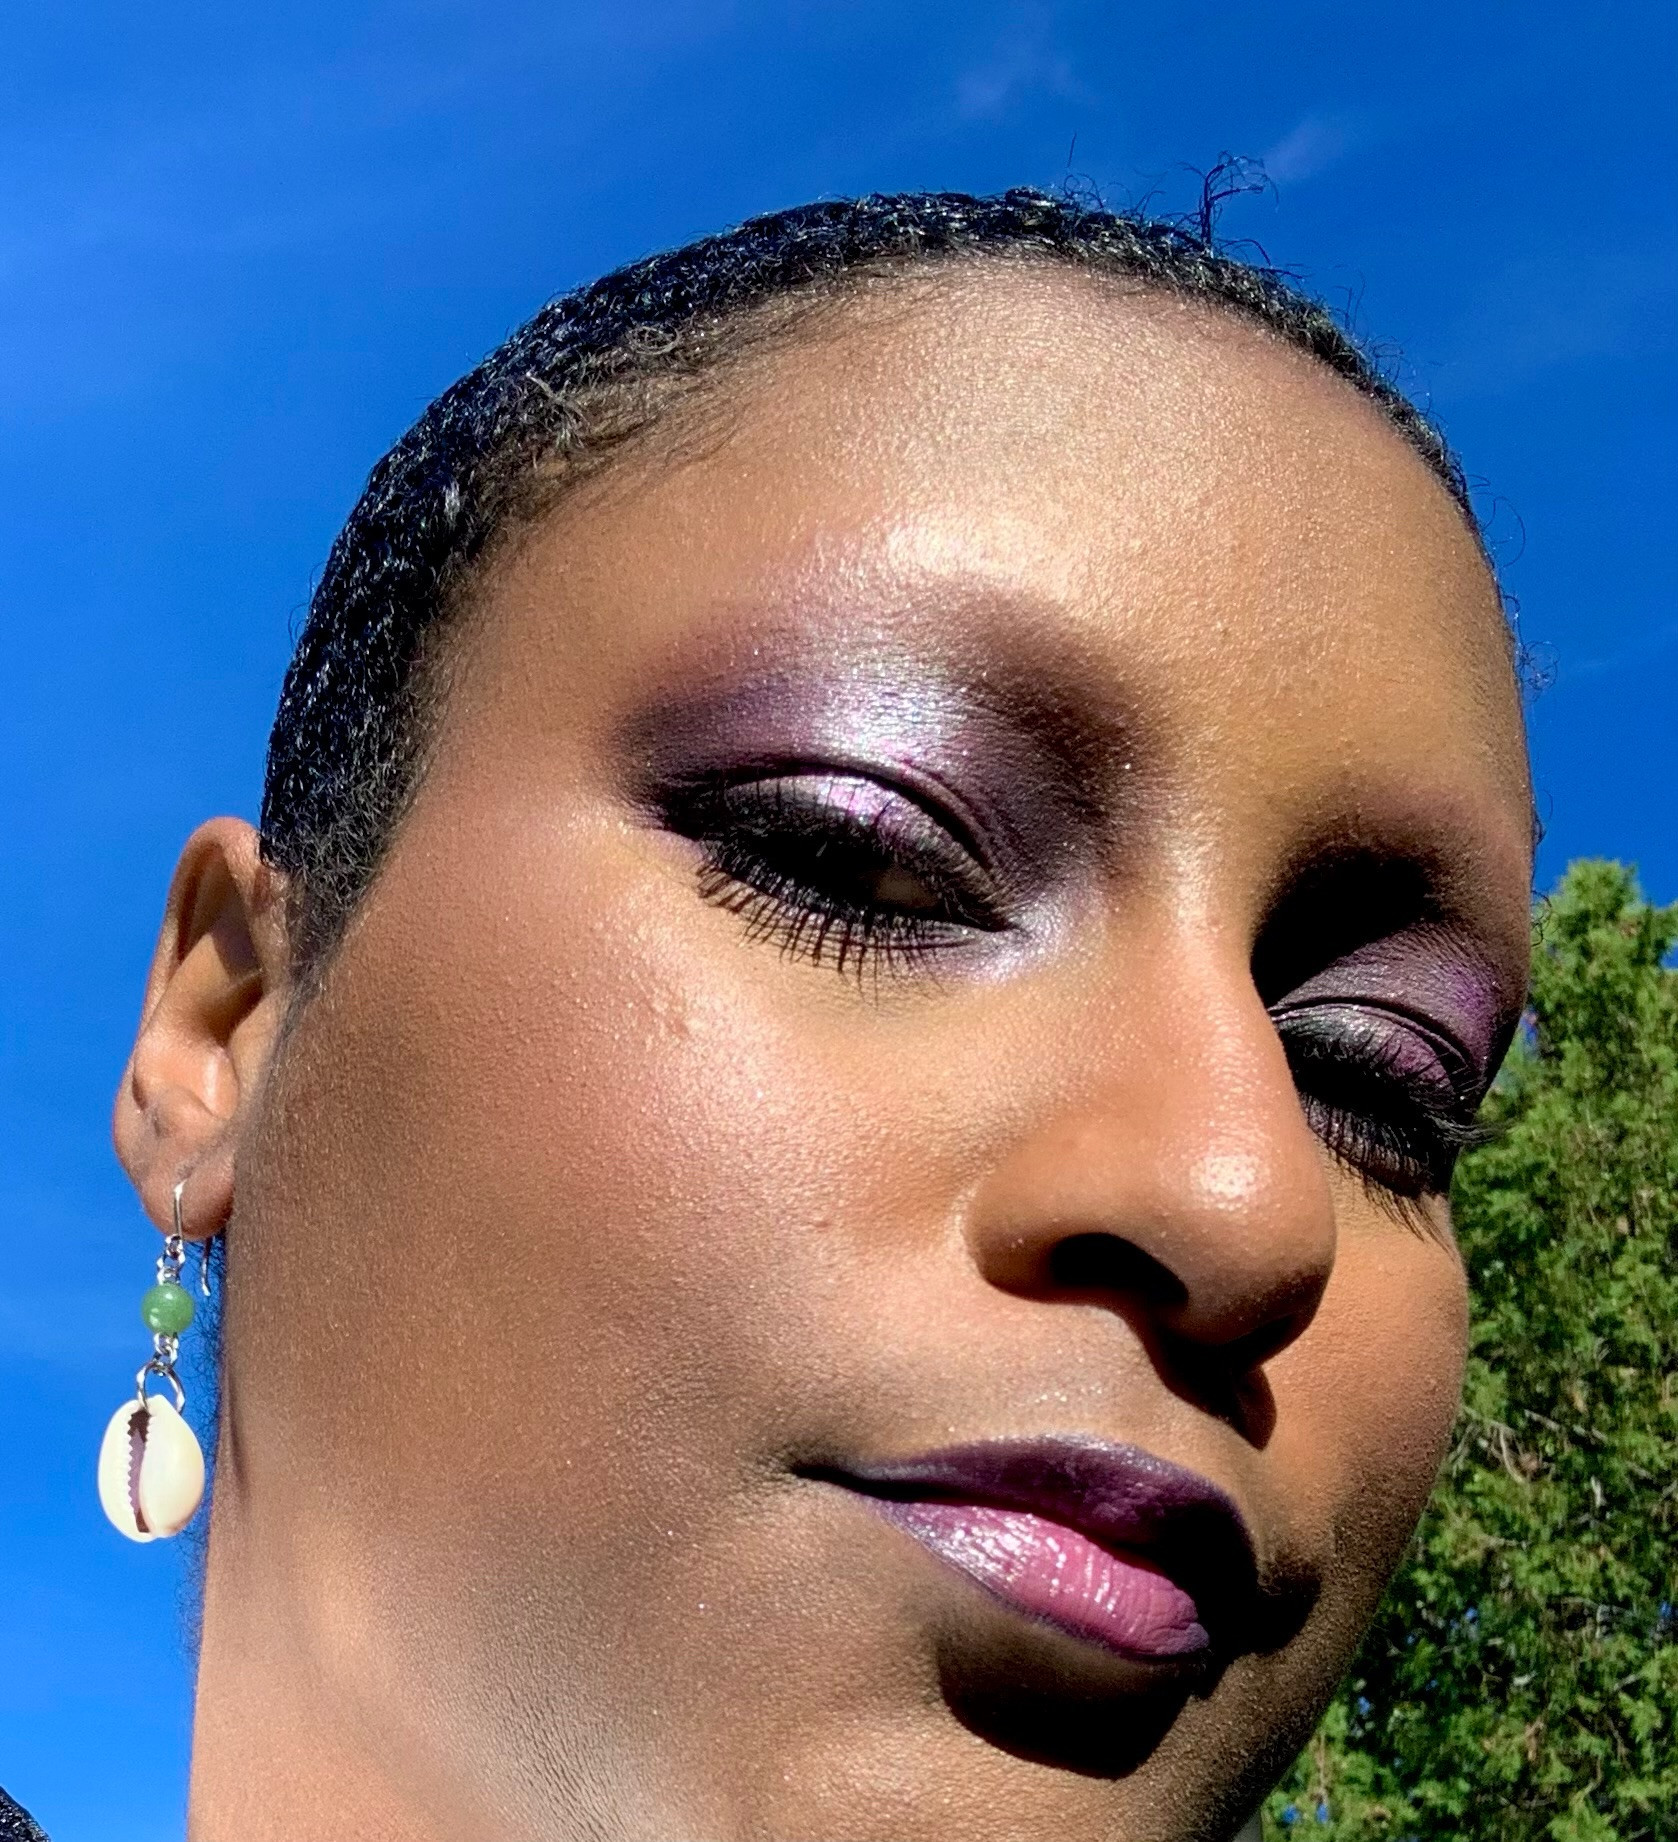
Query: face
x=854 y=1245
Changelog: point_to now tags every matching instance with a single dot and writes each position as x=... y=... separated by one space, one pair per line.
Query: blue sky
x=240 y=248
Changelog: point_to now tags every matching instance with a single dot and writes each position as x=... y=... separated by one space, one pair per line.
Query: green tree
x=1521 y=1679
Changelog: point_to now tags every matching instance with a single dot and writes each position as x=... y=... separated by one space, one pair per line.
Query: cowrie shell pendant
x=151 y=1469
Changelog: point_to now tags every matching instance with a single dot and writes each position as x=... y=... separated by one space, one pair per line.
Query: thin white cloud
x=1542 y=313
x=1024 y=60
x=1641 y=650
x=1311 y=147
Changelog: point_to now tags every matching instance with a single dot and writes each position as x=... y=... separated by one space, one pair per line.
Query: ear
x=217 y=991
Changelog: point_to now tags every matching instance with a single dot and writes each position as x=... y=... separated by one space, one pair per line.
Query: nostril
x=1109 y=1264
x=1234 y=1334
x=1247 y=1354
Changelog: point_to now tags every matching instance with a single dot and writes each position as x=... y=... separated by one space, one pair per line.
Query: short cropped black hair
x=594 y=368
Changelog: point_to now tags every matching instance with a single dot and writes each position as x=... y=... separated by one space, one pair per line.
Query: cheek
x=1366 y=1399
x=590 y=1199
x=578 y=1134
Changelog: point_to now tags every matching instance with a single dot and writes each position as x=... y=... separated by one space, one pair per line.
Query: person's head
x=894 y=859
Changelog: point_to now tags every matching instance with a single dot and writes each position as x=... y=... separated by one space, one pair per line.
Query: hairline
x=665 y=412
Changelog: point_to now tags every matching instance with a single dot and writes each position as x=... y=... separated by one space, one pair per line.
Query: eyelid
x=861 y=803
x=1440 y=977
x=899 y=812
x=1396 y=1122
x=747 y=819
x=1458 y=1065
x=938 y=803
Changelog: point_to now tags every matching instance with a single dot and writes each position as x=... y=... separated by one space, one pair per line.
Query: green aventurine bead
x=166 y=1309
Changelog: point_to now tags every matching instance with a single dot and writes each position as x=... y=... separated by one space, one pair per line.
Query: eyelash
x=1400 y=1129
x=764 y=839
x=793 y=855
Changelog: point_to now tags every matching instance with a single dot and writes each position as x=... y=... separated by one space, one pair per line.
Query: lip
x=1105 y=1542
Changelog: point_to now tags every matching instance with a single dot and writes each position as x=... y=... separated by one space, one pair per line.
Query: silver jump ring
x=164 y=1371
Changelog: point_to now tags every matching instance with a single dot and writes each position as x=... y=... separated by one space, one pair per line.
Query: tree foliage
x=1521 y=1679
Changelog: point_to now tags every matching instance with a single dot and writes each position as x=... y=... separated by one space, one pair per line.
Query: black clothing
x=17 y=1825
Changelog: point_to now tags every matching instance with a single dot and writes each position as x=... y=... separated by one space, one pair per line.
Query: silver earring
x=151 y=1466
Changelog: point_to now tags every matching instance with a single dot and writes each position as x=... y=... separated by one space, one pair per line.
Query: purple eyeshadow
x=1000 y=774
x=1030 y=772
x=1427 y=973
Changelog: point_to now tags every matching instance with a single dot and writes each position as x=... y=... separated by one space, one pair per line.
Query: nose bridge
x=1180 y=1140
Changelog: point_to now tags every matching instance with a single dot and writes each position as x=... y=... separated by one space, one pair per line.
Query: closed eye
x=1390 y=1097
x=837 y=867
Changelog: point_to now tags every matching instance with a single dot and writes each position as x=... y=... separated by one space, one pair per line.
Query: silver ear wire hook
x=174 y=1243
x=177 y=1244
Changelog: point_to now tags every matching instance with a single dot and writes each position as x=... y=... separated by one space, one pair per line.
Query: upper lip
x=1117 y=1495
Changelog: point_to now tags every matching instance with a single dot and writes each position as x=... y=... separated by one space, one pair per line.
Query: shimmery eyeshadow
x=1038 y=774
x=1426 y=972
x=1019 y=773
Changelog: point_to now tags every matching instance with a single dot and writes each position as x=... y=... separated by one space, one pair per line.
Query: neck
x=277 y=1755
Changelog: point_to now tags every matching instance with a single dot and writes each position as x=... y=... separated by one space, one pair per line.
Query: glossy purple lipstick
x=1105 y=1542
x=1054 y=1573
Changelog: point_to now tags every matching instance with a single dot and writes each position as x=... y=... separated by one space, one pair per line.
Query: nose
x=1182 y=1183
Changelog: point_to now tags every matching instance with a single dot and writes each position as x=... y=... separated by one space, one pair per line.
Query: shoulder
x=16 y=1824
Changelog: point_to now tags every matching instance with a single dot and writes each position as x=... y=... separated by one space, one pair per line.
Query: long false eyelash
x=1400 y=1131
x=763 y=849
x=805 y=925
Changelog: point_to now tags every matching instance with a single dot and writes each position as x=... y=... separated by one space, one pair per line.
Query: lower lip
x=1052 y=1573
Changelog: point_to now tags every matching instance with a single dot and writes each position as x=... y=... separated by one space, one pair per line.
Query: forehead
x=1193 y=520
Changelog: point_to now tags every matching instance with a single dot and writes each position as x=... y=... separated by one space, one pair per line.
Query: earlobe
x=214 y=999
